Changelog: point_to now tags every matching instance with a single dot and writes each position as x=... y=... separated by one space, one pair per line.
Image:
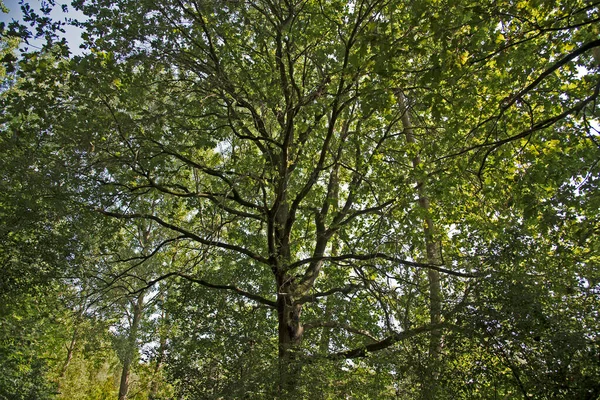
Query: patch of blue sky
x=61 y=11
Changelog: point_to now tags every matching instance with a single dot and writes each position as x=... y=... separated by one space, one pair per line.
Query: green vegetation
x=314 y=199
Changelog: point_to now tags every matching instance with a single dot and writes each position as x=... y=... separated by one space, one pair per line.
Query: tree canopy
x=310 y=198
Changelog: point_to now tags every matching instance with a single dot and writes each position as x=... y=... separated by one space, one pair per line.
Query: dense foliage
x=302 y=199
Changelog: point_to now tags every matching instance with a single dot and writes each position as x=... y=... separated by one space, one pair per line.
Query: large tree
x=359 y=169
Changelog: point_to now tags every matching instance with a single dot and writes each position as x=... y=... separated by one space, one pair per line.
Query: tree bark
x=131 y=350
x=73 y=343
x=290 y=334
x=70 y=350
x=156 y=377
x=432 y=250
x=335 y=250
x=68 y=358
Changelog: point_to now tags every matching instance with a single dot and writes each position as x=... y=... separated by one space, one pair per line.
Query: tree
x=127 y=280
x=357 y=169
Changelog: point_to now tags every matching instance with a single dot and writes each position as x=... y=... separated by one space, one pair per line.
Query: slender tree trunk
x=335 y=250
x=157 y=368
x=433 y=257
x=131 y=349
x=69 y=357
x=72 y=343
x=156 y=377
x=326 y=332
x=70 y=350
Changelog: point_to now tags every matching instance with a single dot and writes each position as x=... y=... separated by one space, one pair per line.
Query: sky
x=72 y=34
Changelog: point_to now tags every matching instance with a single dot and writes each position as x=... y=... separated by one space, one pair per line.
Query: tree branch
x=212 y=172
x=546 y=73
x=241 y=292
x=514 y=98
x=313 y=297
x=251 y=296
x=385 y=343
x=188 y=234
x=215 y=198
x=536 y=127
x=382 y=256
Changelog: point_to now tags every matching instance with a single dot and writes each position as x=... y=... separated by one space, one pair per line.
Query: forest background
x=319 y=199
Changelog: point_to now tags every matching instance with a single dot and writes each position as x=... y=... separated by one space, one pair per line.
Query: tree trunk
x=335 y=250
x=326 y=332
x=156 y=377
x=288 y=314
x=69 y=357
x=70 y=349
x=131 y=350
x=290 y=335
x=430 y=388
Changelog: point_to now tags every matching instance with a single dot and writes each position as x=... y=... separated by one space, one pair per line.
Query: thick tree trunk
x=288 y=313
x=290 y=335
x=131 y=348
x=432 y=250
